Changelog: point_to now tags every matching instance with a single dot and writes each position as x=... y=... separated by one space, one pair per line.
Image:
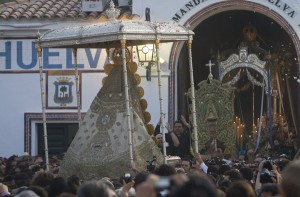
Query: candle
x=241 y=142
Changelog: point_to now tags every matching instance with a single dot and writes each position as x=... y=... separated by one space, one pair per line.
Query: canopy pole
x=195 y=129
x=292 y=106
x=270 y=108
x=162 y=115
x=77 y=86
x=260 y=118
x=126 y=89
x=281 y=108
x=253 y=109
x=39 y=51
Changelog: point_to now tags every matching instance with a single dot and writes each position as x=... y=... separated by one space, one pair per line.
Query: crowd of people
x=26 y=176
x=192 y=175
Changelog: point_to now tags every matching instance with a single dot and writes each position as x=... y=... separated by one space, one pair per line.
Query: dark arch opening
x=223 y=31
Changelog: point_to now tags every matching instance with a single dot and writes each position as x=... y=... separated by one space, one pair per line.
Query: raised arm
x=183 y=120
x=174 y=138
x=199 y=159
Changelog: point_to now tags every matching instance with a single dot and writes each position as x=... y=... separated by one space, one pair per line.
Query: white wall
x=19 y=94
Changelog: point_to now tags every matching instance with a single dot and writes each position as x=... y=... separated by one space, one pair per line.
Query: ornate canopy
x=119 y=35
x=107 y=34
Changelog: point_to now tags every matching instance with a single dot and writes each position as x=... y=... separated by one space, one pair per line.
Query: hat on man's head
x=25 y=154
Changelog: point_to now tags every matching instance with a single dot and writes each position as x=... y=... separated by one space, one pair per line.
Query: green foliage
x=5 y=1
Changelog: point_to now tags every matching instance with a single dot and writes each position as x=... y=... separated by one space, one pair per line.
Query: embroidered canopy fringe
x=100 y=147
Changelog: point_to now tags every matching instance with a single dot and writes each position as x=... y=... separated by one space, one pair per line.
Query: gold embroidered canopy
x=115 y=34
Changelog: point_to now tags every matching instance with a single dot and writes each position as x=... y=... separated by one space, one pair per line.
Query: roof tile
x=50 y=2
x=38 y=14
x=32 y=10
x=16 y=15
x=73 y=14
x=48 y=9
x=27 y=14
x=22 y=1
x=22 y=8
x=10 y=4
x=38 y=3
x=47 y=6
x=35 y=6
x=42 y=9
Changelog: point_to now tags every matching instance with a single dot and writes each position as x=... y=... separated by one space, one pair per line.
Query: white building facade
x=20 y=106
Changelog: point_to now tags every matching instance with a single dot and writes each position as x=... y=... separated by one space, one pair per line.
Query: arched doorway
x=219 y=30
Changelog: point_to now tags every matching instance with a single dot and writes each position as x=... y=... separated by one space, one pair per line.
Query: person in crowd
x=233 y=175
x=297 y=155
x=93 y=189
x=41 y=192
x=57 y=186
x=242 y=156
x=39 y=160
x=139 y=178
x=67 y=195
x=110 y=187
x=269 y=190
x=43 y=179
x=182 y=132
x=290 y=180
x=202 y=166
x=247 y=174
x=4 y=191
x=197 y=185
x=240 y=188
x=273 y=175
x=148 y=188
x=73 y=183
x=223 y=183
x=219 y=154
x=171 y=140
x=186 y=164
x=2 y=168
x=127 y=189
x=11 y=164
x=27 y=193
x=21 y=179
x=164 y=170
x=267 y=173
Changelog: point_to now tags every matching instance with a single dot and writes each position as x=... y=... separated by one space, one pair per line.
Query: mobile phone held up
x=162 y=183
x=127 y=177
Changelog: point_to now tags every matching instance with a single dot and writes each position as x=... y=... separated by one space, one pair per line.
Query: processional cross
x=210 y=76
